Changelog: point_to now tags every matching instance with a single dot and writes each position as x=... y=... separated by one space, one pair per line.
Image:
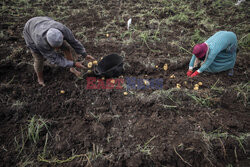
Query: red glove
x=189 y=73
x=195 y=74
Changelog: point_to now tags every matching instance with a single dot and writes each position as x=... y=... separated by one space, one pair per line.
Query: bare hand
x=41 y=83
x=88 y=57
x=80 y=65
x=77 y=73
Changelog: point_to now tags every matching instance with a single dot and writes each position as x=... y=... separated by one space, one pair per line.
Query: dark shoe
x=231 y=72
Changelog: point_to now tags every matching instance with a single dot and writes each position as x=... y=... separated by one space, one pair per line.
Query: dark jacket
x=35 y=37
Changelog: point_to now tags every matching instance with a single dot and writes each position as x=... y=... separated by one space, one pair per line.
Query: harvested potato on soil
x=178 y=86
x=146 y=82
x=62 y=91
x=90 y=64
x=172 y=76
x=156 y=66
x=89 y=71
x=196 y=88
x=196 y=85
x=200 y=83
x=125 y=93
x=107 y=35
x=95 y=62
x=165 y=67
x=103 y=78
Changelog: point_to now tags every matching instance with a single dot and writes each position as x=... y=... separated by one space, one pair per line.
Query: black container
x=110 y=66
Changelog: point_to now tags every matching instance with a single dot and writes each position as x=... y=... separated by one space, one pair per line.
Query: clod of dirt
x=99 y=130
x=61 y=146
x=134 y=161
x=229 y=98
x=105 y=118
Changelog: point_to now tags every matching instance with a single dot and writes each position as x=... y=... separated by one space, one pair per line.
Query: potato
x=90 y=64
x=196 y=88
x=62 y=91
x=196 y=85
x=146 y=82
x=125 y=93
x=165 y=67
x=200 y=83
x=172 y=76
x=95 y=62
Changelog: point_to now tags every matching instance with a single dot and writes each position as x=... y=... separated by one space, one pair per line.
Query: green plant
x=17 y=105
x=244 y=41
x=1 y=34
x=45 y=146
x=196 y=37
x=208 y=24
x=20 y=146
x=217 y=134
x=181 y=17
x=109 y=138
x=241 y=139
x=26 y=144
x=81 y=34
x=205 y=101
x=35 y=126
x=59 y=161
x=145 y=38
x=243 y=92
x=39 y=12
x=217 y=89
x=166 y=94
x=95 y=153
x=229 y=165
x=146 y=148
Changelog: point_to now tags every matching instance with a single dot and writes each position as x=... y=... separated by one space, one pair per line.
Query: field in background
x=169 y=127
